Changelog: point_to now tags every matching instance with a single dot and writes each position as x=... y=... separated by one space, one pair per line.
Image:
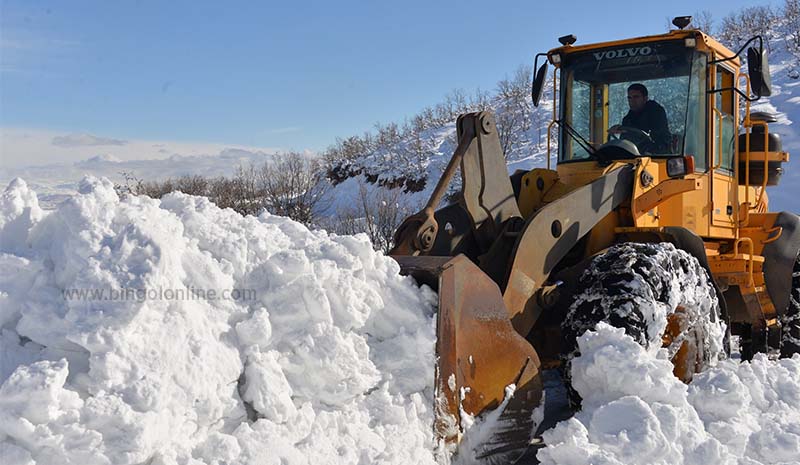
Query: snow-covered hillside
x=785 y=101
x=323 y=354
x=391 y=164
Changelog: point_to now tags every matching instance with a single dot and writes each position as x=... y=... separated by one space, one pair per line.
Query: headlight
x=555 y=58
x=680 y=166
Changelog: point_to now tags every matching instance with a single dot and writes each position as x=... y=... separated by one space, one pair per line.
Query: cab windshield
x=595 y=104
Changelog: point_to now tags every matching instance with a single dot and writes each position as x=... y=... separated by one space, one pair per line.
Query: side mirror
x=758 y=69
x=538 y=84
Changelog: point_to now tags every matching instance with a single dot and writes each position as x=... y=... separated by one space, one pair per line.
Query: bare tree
x=737 y=28
x=481 y=101
x=513 y=106
x=704 y=21
x=194 y=185
x=791 y=15
x=131 y=185
x=377 y=212
x=189 y=184
x=293 y=185
x=290 y=185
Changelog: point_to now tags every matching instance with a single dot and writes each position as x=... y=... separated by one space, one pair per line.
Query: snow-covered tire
x=790 y=321
x=635 y=287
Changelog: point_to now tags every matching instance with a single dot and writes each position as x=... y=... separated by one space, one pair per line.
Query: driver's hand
x=614 y=129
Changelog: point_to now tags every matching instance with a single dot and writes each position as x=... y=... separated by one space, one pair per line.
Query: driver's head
x=637 y=97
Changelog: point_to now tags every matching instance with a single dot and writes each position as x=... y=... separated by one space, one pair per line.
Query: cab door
x=723 y=137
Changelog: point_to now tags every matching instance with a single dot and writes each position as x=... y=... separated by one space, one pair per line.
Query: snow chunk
x=267 y=389
x=19 y=211
x=256 y=330
x=34 y=392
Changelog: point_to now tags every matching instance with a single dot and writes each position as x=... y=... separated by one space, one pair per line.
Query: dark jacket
x=652 y=119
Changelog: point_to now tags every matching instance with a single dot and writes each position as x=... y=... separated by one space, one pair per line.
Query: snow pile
x=321 y=352
x=636 y=412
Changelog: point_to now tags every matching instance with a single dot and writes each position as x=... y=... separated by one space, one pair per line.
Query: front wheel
x=661 y=296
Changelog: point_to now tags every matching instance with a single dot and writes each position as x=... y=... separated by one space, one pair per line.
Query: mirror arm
x=741 y=94
x=536 y=62
x=760 y=48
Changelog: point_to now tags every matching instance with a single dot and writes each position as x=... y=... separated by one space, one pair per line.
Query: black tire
x=629 y=286
x=790 y=321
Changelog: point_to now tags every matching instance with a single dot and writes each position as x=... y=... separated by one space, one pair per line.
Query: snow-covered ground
x=636 y=412
x=324 y=354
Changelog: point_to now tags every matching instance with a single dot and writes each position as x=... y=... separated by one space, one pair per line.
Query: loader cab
x=594 y=98
x=698 y=83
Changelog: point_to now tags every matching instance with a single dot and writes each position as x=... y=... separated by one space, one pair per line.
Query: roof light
x=690 y=42
x=555 y=58
x=568 y=39
x=682 y=21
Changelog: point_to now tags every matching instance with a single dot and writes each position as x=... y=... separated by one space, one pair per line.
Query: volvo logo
x=623 y=53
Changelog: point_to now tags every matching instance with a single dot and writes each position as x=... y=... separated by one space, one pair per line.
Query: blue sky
x=293 y=75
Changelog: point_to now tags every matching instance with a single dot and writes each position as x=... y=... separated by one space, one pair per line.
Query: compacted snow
x=321 y=353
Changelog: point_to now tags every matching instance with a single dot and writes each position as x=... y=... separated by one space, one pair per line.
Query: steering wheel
x=637 y=135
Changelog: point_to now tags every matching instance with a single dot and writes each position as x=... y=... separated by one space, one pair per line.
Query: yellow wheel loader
x=510 y=258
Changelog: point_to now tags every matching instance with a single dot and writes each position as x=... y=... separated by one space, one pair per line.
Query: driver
x=648 y=116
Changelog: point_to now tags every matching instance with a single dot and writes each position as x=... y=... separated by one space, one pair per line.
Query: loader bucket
x=479 y=354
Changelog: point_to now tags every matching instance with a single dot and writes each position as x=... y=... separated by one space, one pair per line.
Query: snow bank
x=287 y=346
x=636 y=412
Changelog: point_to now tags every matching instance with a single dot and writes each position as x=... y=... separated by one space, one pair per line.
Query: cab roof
x=704 y=42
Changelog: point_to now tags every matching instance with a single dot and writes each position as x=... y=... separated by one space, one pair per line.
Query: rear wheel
x=790 y=321
x=659 y=295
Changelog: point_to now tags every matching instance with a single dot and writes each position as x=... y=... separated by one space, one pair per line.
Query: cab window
x=724 y=121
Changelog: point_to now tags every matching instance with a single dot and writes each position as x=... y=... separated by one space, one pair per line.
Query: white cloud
x=84 y=140
x=23 y=147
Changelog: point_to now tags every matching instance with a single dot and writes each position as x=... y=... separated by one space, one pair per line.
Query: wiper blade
x=577 y=137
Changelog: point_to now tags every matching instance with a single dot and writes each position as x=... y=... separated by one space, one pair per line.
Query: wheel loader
x=507 y=257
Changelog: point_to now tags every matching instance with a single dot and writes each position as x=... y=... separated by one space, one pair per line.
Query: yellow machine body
x=492 y=255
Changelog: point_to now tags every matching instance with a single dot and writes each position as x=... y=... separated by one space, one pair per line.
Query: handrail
x=737 y=153
x=714 y=165
x=550 y=126
x=748 y=124
x=769 y=240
